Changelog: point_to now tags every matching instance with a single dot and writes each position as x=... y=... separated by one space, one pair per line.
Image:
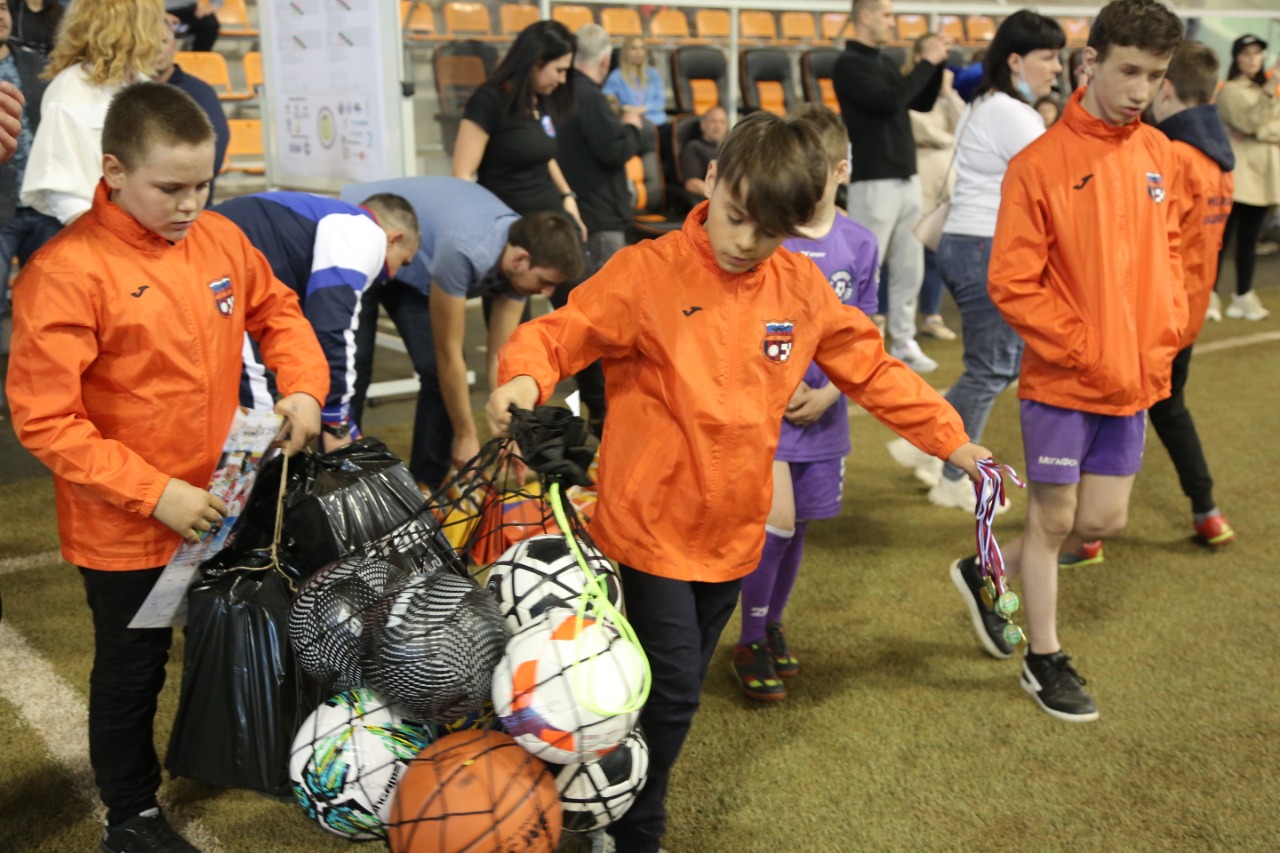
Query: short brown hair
x=395 y=211
x=1194 y=73
x=147 y=114
x=776 y=159
x=1145 y=24
x=831 y=128
x=552 y=241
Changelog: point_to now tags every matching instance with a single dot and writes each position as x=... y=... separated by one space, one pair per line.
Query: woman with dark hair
x=1021 y=66
x=507 y=139
x=1251 y=112
x=35 y=23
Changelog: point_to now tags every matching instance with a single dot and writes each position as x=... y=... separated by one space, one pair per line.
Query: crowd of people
x=1081 y=245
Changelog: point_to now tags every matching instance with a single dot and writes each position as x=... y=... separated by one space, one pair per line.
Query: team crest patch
x=223 y=297
x=1155 y=186
x=778 y=341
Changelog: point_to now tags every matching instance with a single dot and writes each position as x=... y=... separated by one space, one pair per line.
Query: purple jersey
x=849 y=258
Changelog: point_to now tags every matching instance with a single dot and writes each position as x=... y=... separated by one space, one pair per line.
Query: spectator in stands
x=200 y=20
x=1251 y=112
x=35 y=23
x=884 y=194
x=1050 y=109
x=696 y=154
x=168 y=71
x=637 y=84
x=472 y=244
x=507 y=138
x=1022 y=64
x=102 y=46
x=328 y=252
x=968 y=78
x=595 y=147
x=934 y=133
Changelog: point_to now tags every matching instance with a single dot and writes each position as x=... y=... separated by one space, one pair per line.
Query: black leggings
x=1245 y=222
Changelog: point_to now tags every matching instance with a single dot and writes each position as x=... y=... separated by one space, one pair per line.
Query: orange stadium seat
x=952 y=26
x=911 y=27
x=233 y=20
x=798 y=27
x=1077 y=30
x=712 y=23
x=211 y=67
x=980 y=29
x=468 y=20
x=836 y=25
x=621 y=22
x=759 y=26
x=698 y=78
x=816 y=68
x=514 y=17
x=418 y=20
x=766 y=80
x=573 y=17
x=245 y=151
x=667 y=25
x=253 y=71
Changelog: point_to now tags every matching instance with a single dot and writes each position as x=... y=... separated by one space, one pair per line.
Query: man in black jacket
x=884 y=192
x=594 y=149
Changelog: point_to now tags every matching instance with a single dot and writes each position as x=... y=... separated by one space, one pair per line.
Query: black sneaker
x=784 y=663
x=753 y=669
x=148 y=832
x=1057 y=688
x=987 y=624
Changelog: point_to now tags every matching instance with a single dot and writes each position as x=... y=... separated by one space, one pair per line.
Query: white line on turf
x=1237 y=342
x=31 y=561
x=60 y=717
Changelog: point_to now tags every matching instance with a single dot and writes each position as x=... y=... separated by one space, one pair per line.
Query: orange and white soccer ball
x=568 y=688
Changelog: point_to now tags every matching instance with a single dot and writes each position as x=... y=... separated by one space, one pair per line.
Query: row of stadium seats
x=472 y=20
x=212 y=68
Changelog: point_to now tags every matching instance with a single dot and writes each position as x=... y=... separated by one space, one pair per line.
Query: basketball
x=475 y=791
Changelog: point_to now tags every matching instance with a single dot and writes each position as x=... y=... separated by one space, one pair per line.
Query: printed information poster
x=327 y=91
x=247 y=444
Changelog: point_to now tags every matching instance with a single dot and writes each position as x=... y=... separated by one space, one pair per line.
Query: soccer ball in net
x=568 y=688
x=595 y=794
x=542 y=572
x=346 y=761
x=431 y=645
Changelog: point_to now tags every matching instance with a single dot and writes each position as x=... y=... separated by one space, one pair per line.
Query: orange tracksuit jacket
x=1085 y=264
x=1206 y=204
x=125 y=369
x=699 y=366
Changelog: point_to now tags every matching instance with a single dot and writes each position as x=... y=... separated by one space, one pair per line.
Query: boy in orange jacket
x=1085 y=267
x=124 y=378
x=705 y=334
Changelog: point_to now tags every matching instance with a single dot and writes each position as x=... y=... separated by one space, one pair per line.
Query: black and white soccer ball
x=542 y=572
x=595 y=794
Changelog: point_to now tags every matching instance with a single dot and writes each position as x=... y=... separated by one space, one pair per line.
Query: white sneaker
x=602 y=842
x=959 y=494
x=1247 y=307
x=932 y=326
x=1213 y=314
x=909 y=353
x=927 y=469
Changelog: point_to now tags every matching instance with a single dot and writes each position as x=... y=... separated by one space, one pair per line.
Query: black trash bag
x=243 y=696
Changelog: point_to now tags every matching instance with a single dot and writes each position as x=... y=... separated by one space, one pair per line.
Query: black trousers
x=128 y=673
x=678 y=623
x=1245 y=222
x=1177 y=432
x=204 y=31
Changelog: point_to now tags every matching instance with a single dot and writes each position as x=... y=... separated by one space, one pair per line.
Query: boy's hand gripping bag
x=242 y=692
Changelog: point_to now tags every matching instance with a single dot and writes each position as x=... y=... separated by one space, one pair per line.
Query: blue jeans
x=992 y=350
x=25 y=233
x=931 y=287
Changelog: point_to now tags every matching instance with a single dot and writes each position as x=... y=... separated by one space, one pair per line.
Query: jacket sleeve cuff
x=151 y=495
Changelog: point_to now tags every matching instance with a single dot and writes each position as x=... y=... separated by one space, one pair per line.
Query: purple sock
x=788 y=568
x=757 y=587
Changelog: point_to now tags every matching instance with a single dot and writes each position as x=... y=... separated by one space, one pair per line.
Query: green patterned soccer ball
x=346 y=761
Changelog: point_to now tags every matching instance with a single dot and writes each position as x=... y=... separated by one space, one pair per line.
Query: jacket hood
x=1201 y=127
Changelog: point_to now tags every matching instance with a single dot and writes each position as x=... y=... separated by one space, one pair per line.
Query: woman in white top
x=101 y=47
x=1251 y=112
x=1021 y=65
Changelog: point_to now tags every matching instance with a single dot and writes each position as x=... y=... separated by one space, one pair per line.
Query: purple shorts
x=818 y=488
x=1061 y=444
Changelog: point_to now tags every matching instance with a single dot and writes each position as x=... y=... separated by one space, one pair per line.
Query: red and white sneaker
x=1088 y=554
x=1215 y=532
